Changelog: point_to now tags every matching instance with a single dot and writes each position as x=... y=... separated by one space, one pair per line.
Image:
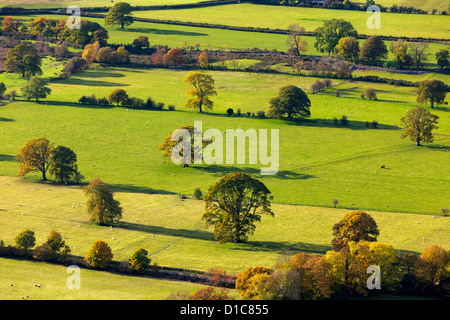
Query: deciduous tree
x=120 y=14
x=433 y=91
x=419 y=124
x=63 y=165
x=355 y=226
x=327 y=37
x=348 y=48
x=373 y=49
x=101 y=206
x=203 y=88
x=234 y=204
x=35 y=88
x=291 y=101
x=99 y=255
x=23 y=59
x=294 y=42
x=117 y=96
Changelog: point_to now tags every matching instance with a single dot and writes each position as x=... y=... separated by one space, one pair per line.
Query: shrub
x=103 y=101
x=171 y=107
x=44 y=253
x=238 y=112
x=261 y=114
x=374 y=124
x=139 y=260
x=335 y=202
x=99 y=255
x=159 y=105
x=150 y=104
x=230 y=111
x=367 y=124
x=25 y=240
x=444 y=212
x=198 y=194
x=335 y=120
x=337 y=93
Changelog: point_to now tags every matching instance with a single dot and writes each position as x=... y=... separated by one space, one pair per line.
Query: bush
x=337 y=93
x=139 y=260
x=198 y=194
x=335 y=120
x=261 y=114
x=150 y=104
x=171 y=107
x=444 y=212
x=367 y=124
x=159 y=105
x=230 y=111
x=374 y=124
x=44 y=252
x=99 y=255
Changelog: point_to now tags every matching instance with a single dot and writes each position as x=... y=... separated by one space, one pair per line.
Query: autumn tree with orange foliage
x=355 y=226
x=10 y=25
x=35 y=156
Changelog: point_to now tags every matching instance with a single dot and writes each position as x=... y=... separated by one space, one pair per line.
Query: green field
x=125 y=153
x=29 y=280
x=273 y=17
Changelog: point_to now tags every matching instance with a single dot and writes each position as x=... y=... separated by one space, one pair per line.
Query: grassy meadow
x=33 y=4
x=280 y=17
x=317 y=157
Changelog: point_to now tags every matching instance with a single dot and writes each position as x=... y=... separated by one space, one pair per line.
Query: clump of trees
x=41 y=155
x=342 y=272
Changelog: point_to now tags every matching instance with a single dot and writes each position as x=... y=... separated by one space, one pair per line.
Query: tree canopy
x=234 y=204
x=23 y=59
x=433 y=91
x=328 y=36
x=203 y=88
x=120 y=14
x=35 y=156
x=291 y=101
x=419 y=124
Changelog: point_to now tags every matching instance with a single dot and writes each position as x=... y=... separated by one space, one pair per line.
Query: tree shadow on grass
x=165 y=32
x=184 y=233
x=7 y=157
x=72 y=104
x=6 y=119
x=91 y=83
x=438 y=148
x=218 y=170
x=283 y=247
x=138 y=189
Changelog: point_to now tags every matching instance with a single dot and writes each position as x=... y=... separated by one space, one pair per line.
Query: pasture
x=280 y=17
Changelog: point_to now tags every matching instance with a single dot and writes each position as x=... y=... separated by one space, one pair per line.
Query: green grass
x=428 y=5
x=273 y=17
x=171 y=229
x=337 y=158
x=18 y=280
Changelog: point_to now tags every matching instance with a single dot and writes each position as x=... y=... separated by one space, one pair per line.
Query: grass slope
x=316 y=156
x=172 y=231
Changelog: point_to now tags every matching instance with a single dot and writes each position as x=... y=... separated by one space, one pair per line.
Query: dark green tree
x=63 y=165
x=433 y=91
x=442 y=57
x=291 y=101
x=23 y=59
x=139 y=260
x=373 y=49
x=25 y=240
x=234 y=204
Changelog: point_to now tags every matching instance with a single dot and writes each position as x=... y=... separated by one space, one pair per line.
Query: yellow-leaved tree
x=203 y=88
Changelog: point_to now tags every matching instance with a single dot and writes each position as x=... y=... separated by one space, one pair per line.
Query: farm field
x=210 y=38
x=168 y=227
x=280 y=17
x=338 y=168
x=27 y=280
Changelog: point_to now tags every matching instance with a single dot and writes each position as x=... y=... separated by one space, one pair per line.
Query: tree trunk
x=44 y=178
x=418 y=142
